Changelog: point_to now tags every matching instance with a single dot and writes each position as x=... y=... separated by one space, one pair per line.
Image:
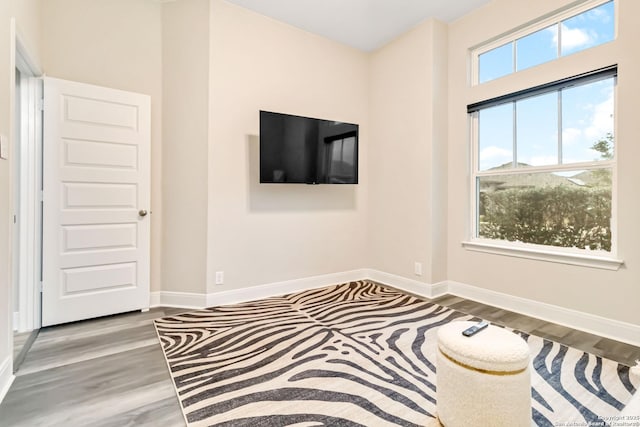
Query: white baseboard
x=604 y=327
x=155 y=299
x=6 y=376
x=178 y=299
x=282 y=288
x=614 y=329
x=197 y=300
x=413 y=286
x=439 y=289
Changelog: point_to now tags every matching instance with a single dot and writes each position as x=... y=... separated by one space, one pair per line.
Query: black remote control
x=475 y=329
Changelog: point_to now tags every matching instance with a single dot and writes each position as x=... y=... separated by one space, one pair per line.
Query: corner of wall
x=185 y=139
x=422 y=289
x=439 y=156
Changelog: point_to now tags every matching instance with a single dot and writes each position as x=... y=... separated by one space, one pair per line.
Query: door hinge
x=41 y=104
x=40 y=286
x=41 y=196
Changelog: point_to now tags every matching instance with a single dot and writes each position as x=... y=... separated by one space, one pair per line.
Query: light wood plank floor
x=111 y=371
x=103 y=372
x=19 y=340
x=21 y=344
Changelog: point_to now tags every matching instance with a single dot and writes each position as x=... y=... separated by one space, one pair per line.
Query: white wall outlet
x=417 y=268
x=219 y=277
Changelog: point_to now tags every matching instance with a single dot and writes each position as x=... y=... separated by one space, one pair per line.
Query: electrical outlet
x=219 y=277
x=417 y=268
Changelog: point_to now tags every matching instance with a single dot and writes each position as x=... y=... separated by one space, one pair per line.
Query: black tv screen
x=302 y=150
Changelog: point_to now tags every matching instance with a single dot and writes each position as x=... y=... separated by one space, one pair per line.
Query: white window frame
x=572 y=256
x=527 y=29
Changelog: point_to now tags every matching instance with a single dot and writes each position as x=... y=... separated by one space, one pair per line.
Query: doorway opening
x=27 y=202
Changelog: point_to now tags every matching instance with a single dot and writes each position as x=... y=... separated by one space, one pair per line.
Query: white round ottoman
x=482 y=380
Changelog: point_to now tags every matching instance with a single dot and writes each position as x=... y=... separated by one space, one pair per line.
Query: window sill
x=582 y=260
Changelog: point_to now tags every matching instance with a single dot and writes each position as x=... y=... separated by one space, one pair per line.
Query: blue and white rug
x=357 y=354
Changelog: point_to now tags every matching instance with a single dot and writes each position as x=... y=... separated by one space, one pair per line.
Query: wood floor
x=21 y=344
x=103 y=372
x=111 y=371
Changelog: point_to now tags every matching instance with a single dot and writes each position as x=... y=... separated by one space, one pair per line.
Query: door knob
x=142 y=212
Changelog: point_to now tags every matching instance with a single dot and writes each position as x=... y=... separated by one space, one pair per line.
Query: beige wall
x=610 y=294
x=27 y=19
x=185 y=126
x=439 y=156
x=117 y=44
x=267 y=233
x=407 y=156
x=216 y=65
x=27 y=14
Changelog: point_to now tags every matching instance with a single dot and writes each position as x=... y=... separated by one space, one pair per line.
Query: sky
x=587 y=110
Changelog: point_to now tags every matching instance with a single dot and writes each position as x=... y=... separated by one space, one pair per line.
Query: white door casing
x=30 y=215
x=96 y=179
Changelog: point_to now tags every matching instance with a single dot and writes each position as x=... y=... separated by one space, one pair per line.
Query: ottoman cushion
x=492 y=349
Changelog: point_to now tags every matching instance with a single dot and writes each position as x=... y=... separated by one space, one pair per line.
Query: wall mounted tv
x=302 y=150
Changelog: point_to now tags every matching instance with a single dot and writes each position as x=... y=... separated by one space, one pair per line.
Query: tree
x=604 y=146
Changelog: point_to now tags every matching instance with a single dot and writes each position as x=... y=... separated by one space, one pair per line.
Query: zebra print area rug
x=357 y=354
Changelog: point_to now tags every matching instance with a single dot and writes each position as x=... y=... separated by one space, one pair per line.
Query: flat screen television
x=302 y=150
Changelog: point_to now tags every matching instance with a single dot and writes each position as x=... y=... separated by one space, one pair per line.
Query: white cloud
x=540 y=160
x=494 y=156
x=602 y=119
x=571 y=135
x=573 y=38
x=598 y=14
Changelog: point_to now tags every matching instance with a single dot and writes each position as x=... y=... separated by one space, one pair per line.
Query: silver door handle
x=142 y=212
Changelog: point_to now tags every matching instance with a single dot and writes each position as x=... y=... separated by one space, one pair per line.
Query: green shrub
x=558 y=216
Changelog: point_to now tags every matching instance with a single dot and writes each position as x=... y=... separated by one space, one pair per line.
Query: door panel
x=99 y=154
x=96 y=180
x=86 y=280
x=99 y=196
x=98 y=237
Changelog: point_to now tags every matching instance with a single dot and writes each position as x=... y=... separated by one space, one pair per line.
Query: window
x=559 y=37
x=544 y=161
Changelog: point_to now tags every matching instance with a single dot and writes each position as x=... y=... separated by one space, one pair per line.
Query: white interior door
x=96 y=175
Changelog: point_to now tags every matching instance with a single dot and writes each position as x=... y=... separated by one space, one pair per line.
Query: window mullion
x=559 y=47
x=515 y=134
x=475 y=136
x=560 y=159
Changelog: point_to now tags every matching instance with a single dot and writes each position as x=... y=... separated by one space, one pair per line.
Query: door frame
x=27 y=176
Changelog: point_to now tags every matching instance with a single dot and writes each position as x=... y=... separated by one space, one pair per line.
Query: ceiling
x=363 y=24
